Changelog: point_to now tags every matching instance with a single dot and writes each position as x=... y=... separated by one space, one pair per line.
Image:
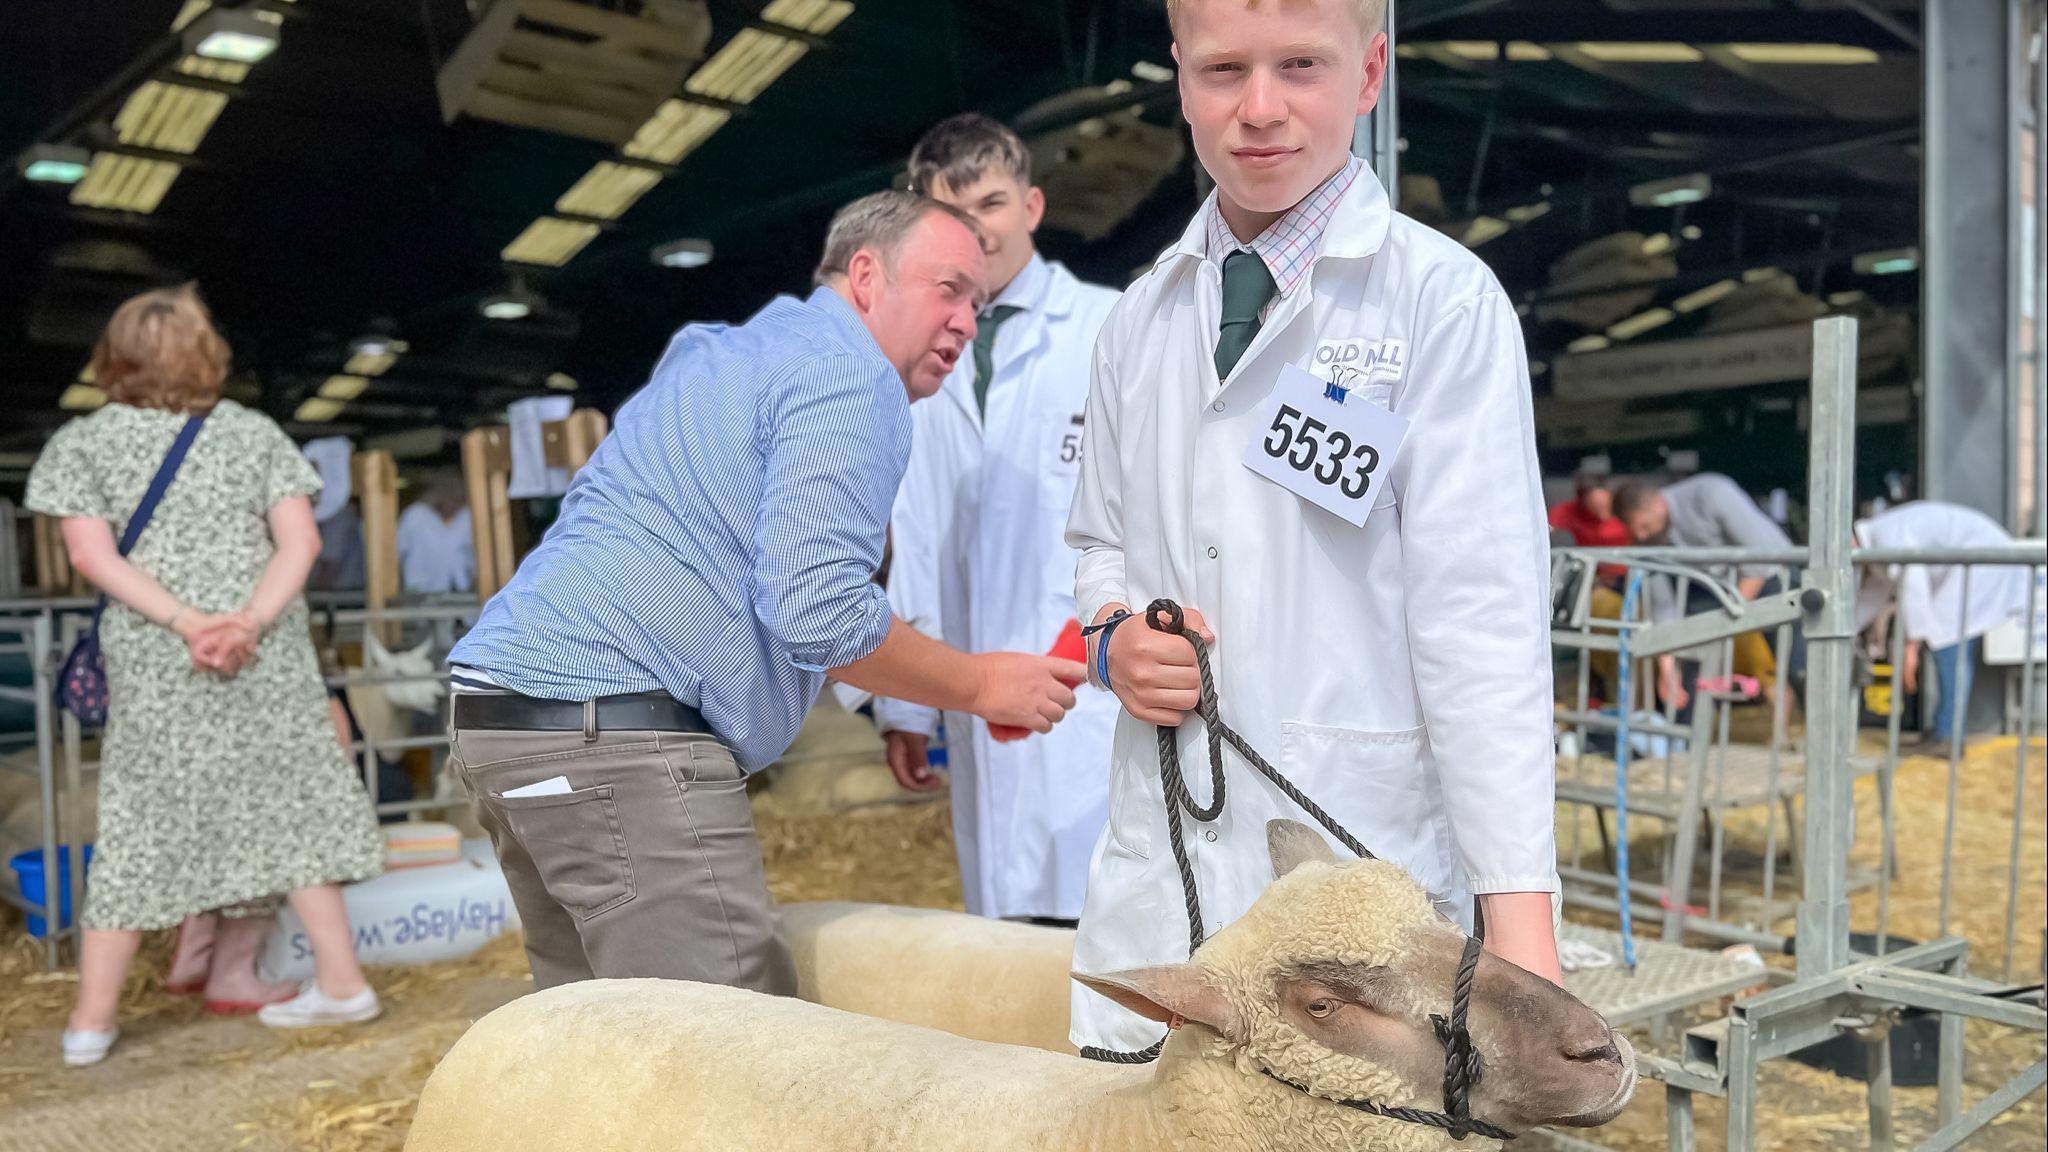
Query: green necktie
x=985 y=350
x=1247 y=287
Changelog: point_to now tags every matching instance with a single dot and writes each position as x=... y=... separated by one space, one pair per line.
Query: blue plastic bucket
x=28 y=871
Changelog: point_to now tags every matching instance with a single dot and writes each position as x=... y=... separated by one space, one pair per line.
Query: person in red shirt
x=1589 y=517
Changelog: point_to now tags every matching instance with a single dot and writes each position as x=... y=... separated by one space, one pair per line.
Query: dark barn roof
x=329 y=199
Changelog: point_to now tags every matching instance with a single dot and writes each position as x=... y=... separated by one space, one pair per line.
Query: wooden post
x=486 y=470
x=570 y=443
x=376 y=484
x=487 y=475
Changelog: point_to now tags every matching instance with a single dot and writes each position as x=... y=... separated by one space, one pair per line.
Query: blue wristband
x=1106 y=629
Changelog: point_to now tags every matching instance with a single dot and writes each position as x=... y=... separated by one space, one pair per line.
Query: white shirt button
x=1212 y=553
x=1218 y=406
x=1209 y=836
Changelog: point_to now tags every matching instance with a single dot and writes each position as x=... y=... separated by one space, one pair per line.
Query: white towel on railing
x=331 y=457
x=531 y=475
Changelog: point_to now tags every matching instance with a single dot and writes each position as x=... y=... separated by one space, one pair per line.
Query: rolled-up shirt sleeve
x=1477 y=573
x=1095 y=526
x=835 y=441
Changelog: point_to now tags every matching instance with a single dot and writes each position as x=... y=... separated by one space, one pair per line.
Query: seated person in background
x=1704 y=511
x=1588 y=517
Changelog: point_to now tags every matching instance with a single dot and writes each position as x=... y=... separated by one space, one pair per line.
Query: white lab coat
x=1399 y=673
x=1930 y=596
x=981 y=562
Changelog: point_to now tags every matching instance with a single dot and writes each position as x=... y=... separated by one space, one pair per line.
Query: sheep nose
x=1593 y=1049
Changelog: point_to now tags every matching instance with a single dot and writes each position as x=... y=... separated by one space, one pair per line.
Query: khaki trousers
x=648 y=866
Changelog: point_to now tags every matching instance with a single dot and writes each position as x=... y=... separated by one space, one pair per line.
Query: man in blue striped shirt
x=711 y=563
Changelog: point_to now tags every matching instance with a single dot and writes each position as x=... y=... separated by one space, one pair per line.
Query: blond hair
x=1371 y=14
x=161 y=351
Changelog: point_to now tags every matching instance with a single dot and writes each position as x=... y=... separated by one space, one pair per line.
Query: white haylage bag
x=408 y=916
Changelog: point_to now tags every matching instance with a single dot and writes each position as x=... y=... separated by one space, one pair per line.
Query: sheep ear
x=1168 y=993
x=1291 y=843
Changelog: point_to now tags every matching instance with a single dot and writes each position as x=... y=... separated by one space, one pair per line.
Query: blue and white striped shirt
x=721 y=543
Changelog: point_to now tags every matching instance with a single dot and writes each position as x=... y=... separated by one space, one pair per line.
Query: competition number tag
x=1326 y=444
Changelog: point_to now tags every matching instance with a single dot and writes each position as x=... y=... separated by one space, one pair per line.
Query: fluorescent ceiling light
x=674 y=131
x=515 y=303
x=1887 y=263
x=1844 y=299
x=1759 y=275
x=1691 y=232
x=1656 y=244
x=225 y=71
x=1526 y=212
x=239 y=35
x=1694 y=301
x=343 y=387
x=1152 y=73
x=1588 y=344
x=1408 y=52
x=561 y=382
x=370 y=363
x=317 y=410
x=168 y=117
x=746 y=66
x=1640 y=323
x=814 y=16
x=1523 y=50
x=1483 y=229
x=81 y=398
x=549 y=242
x=683 y=254
x=1645 y=52
x=1802 y=54
x=1688 y=189
x=607 y=190
x=1473 y=49
x=124 y=183
x=55 y=163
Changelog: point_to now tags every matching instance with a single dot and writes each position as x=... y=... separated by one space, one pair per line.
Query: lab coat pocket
x=1373 y=784
x=1133 y=797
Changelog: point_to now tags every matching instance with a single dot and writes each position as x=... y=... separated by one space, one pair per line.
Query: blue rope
x=1627 y=702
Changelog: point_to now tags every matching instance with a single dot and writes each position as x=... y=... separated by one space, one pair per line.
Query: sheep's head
x=1330 y=980
x=419 y=695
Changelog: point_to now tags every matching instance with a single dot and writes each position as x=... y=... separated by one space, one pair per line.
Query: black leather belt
x=643 y=712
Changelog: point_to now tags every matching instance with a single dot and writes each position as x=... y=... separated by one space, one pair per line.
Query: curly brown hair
x=161 y=351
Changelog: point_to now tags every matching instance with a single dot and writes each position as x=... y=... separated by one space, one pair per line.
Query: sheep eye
x=1321 y=1009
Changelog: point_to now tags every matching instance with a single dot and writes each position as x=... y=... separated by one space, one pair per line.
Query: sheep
x=983 y=979
x=1329 y=980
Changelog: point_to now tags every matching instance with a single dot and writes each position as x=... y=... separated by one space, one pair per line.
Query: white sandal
x=84 y=1049
x=312 y=1008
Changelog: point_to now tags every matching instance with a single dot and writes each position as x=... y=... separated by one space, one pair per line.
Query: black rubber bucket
x=1916 y=1039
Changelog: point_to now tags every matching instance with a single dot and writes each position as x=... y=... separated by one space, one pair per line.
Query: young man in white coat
x=1310 y=425
x=980 y=555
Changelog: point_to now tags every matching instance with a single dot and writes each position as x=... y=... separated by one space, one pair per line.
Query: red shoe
x=246 y=1007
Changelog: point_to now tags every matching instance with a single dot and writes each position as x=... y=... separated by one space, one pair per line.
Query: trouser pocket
x=576 y=844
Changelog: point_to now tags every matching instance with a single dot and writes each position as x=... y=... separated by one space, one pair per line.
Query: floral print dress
x=214 y=792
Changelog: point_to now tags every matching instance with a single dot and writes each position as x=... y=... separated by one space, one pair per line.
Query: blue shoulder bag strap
x=158 y=485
